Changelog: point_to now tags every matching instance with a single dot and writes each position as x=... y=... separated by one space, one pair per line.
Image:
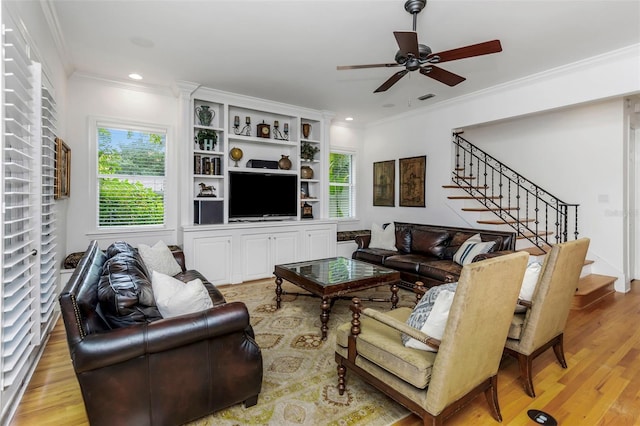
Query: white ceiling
x=287 y=51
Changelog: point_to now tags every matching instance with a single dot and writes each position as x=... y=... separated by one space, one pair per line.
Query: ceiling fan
x=414 y=56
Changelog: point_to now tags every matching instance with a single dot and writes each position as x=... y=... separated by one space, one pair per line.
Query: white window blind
x=131 y=176
x=48 y=268
x=341 y=186
x=20 y=331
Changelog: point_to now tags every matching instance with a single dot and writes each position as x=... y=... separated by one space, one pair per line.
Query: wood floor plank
x=601 y=386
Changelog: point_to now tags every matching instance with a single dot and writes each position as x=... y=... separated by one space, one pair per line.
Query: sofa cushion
x=440 y=270
x=175 y=298
x=431 y=242
x=159 y=258
x=403 y=237
x=124 y=290
x=383 y=238
x=471 y=248
x=405 y=262
x=370 y=255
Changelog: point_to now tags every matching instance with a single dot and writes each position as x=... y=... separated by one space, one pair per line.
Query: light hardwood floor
x=600 y=387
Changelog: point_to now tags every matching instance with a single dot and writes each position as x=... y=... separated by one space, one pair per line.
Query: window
x=342 y=189
x=131 y=176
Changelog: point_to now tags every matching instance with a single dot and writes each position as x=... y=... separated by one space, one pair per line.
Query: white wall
x=428 y=131
x=92 y=97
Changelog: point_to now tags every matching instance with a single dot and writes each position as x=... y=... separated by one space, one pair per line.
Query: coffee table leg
x=394 y=296
x=325 y=306
x=278 y=292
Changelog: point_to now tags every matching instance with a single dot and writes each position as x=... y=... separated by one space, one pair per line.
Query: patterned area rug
x=300 y=381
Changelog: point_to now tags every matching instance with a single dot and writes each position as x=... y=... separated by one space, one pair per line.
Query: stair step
x=459 y=169
x=465 y=177
x=591 y=289
x=531 y=235
x=502 y=222
x=535 y=251
x=488 y=209
x=470 y=197
x=464 y=187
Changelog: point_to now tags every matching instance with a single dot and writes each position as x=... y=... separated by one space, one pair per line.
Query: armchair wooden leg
x=342 y=371
x=558 y=349
x=525 y=362
x=492 y=399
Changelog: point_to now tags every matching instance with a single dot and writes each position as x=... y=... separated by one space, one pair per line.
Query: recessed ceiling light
x=349 y=118
x=135 y=76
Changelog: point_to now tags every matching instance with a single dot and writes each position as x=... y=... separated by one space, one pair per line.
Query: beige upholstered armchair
x=436 y=384
x=541 y=326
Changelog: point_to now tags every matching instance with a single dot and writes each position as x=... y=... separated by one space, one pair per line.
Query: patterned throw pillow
x=471 y=248
x=423 y=309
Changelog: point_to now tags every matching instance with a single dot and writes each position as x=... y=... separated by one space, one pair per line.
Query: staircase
x=500 y=197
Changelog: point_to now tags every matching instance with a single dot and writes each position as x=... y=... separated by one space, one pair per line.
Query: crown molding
x=53 y=23
x=124 y=84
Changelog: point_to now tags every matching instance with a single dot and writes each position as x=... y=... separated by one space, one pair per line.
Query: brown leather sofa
x=425 y=252
x=157 y=371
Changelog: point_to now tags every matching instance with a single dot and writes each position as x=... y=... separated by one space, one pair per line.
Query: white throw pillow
x=471 y=248
x=159 y=258
x=529 y=283
x=436 y=322
x=174 y=298
x=383 y=238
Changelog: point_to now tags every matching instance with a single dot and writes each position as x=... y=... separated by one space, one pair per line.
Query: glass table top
x=335 y=270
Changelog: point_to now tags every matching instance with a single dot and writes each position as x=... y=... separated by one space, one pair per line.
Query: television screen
x=262 y=195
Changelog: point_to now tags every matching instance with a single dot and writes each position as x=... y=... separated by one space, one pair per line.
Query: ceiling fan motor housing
x=404 y=58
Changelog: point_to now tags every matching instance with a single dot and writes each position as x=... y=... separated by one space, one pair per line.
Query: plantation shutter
x=20 y=331
x=131 y=176
x=341 y=186
x=48 y=264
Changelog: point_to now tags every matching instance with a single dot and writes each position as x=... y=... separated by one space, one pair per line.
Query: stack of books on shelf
x=207 y=165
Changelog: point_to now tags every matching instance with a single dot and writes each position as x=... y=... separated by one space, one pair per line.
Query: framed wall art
x=412 y=181
x=384 y=183
x=62 y=184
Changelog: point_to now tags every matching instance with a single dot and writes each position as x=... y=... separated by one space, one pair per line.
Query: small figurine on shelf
x=206 y=190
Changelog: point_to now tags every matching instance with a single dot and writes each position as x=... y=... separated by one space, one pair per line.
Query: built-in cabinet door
x=212 y=258
x=255 y=252
x=262 y=252
x=320 y=243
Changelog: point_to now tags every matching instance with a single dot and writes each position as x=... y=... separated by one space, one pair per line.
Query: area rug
x=300 y=381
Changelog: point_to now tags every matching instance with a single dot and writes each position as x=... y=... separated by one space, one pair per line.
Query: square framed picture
x=384 y=183
x=412 y=181
x=62 y=184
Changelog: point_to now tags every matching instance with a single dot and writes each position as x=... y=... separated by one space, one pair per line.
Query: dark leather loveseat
x=425 y=252
x=156 y=371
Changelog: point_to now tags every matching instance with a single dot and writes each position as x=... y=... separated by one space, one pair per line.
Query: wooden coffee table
x=332 y=278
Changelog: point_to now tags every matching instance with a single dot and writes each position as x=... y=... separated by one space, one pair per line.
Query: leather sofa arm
x=362 y=240
x=103 y=349
x=179 y=256
x=491 y=255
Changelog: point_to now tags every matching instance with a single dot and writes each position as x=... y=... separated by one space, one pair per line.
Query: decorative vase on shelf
x=284 y=163
x=205 y=115
x=306 y=130
x=306 y=172
x=236 y=154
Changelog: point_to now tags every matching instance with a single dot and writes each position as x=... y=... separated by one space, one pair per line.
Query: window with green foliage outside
x=131 y=177
x=341 y=186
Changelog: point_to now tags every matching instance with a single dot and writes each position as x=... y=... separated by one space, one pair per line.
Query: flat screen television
x=262 y=195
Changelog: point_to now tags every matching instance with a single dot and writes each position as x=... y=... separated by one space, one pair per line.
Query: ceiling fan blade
x=391 y=81
x=407 y=42
x=356 y=67
x=479 y=49
x=443 y=76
